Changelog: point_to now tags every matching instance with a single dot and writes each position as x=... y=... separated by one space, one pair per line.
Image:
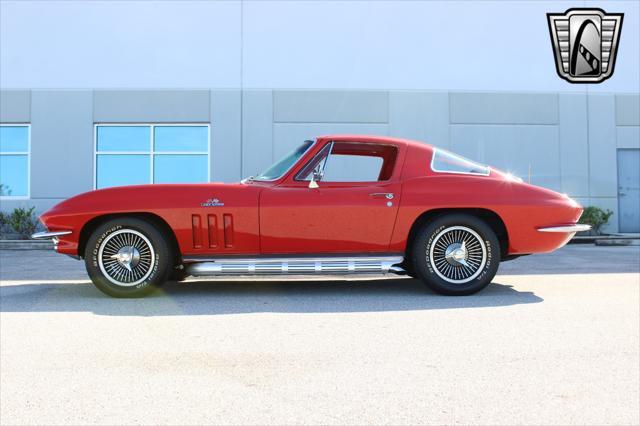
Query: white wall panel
x=603 y=179
x=226 y=135
x=119 y=44
x=153 y=106
x=15 y=106
x=330 y=106
x=61 y=143
x=257 y=131
x=628 y=137
x=628 y=110
x=422 y=45
x=503 y=108
x=573 y=132
x=450 y=45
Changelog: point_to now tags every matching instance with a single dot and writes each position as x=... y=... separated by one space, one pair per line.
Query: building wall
x=563 y=141
x=313 y=44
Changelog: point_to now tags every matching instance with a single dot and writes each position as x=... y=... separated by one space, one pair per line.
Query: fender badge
x=212 y=202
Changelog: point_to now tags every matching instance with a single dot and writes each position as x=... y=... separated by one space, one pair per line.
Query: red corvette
x=338 y=205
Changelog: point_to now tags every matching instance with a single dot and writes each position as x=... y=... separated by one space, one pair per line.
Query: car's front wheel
x=127 y=257
x=456 y=254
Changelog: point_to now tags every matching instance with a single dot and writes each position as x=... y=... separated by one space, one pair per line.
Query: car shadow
x=243 y=297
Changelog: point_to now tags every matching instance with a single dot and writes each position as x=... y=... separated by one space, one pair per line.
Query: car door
x=352 y=209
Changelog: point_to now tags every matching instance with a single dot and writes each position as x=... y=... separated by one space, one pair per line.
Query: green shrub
x=23 y=221
x=596 y=217
x=4 y=189
x=4 y=224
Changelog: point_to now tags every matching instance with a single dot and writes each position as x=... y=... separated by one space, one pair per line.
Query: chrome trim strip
x=47 y=234
x=300 y=265
x=578 y=227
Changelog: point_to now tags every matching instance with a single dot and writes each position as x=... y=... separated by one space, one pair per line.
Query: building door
x=629 y=189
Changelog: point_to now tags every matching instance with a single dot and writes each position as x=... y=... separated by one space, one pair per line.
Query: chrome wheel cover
x=458 y=254
x=126 y=257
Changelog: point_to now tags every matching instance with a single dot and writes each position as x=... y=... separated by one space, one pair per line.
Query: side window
x=352 y=168
x=448 y=162
x=351 y=162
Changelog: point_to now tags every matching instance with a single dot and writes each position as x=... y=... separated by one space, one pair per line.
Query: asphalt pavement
x=554 y=340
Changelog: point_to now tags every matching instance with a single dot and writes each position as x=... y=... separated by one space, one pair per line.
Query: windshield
x=279 y=168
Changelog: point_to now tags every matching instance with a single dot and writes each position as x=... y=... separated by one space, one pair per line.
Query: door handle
x=387 y=195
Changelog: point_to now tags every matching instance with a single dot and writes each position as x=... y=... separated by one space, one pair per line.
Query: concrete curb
x=590 y=239
x=607 y=240
x=618 y=242
x=26 y=245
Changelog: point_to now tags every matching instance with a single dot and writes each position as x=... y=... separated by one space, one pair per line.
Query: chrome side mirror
x=318 y=172
x=312 y=183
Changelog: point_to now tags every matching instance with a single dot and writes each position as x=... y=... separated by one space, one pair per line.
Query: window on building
x=139 y=154
x=14 y=160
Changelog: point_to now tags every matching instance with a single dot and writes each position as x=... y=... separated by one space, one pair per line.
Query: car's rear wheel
x=456 y=254
x=127 y=257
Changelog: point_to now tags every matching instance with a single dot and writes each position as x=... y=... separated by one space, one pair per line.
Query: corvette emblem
x=212 y=202
x=585 y=43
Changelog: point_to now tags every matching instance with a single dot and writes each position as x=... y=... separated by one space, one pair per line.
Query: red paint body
x=285 y=216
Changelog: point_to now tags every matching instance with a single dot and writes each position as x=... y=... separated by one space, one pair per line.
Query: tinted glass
x=14 y=139
x=181 y=138
x=180 y=169
x=448 y=162
x=119 y=170
x=316 y=163
x=123 y=138
x=14 y=171
x=280 y=168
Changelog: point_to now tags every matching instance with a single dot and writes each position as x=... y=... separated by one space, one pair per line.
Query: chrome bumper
x=46 y=234
x=578 y=227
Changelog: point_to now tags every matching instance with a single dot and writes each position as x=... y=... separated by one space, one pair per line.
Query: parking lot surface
x=554 y=340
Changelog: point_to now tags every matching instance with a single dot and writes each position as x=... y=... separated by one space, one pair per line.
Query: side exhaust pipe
x=295 y=266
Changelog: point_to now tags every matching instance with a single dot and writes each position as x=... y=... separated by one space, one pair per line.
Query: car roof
x=373 y=139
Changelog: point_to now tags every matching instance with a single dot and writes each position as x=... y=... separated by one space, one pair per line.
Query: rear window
x=448 y=162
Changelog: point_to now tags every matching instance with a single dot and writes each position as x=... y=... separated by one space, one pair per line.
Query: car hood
x=146 y=197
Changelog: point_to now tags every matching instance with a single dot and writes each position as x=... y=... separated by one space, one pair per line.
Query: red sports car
x=341 y=204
